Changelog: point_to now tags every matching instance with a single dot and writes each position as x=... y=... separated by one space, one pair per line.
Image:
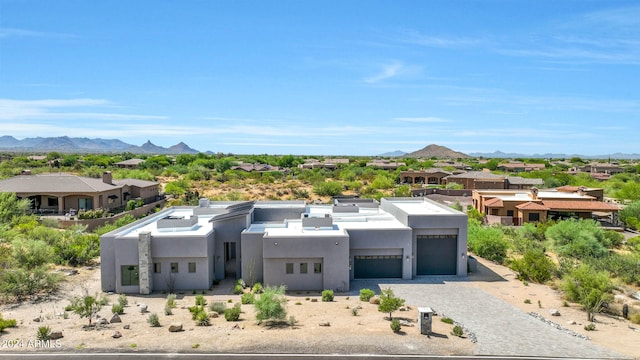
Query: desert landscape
x=320 y=327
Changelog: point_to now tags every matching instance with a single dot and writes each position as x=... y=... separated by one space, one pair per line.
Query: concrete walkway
x=500 y=328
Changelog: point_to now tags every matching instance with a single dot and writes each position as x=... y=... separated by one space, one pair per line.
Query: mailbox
x=425 y=317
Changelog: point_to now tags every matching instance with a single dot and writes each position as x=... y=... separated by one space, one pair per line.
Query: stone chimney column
x=144 y=262
x=107 y=178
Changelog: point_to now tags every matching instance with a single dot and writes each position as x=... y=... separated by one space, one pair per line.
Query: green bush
x=117 y=309
x=257 y=288
x=233 y=313
x=447 y=320
x=366 y=294
x=122 y=300
x=457 y=331
x=6 y=323
x=580 y=239
x=238 y=289
x=153 y=320
x=200 y=300
x=202 y=318
x=168 y=310
x=590 y=327
x=270 y=306
x=534 y=266
x=389 y=302
x=395 y=325
x=21 y=284
x=171 y=301
x=43 y=333
x=487 y=242
x=217 y=307
x=328 y=188
x=247 y=298
x=327 y=295
x=589 y=287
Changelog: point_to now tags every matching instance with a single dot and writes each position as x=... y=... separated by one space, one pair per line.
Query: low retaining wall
x=92 y=224
x=448 y=192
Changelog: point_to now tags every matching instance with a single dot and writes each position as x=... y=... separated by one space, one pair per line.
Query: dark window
x=192 y=267
x=317 y=268
x=157 y=268
x=289 y=268
x=303 y=268
x=174 y=267
x=534 y=217
x=52 y=201
x=129 y=274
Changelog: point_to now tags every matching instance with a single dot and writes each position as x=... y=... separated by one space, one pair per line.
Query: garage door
x=437 y=254
x=377 y=266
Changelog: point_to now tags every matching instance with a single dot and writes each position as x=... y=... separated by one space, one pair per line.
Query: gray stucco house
x=304 y=247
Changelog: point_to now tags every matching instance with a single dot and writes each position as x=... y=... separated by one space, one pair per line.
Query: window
x=510 y=213
x=317 y=268
x=288 y=268
x=85 y=203
x=157 y=268
x=534 y=217
x=303 y=268
x=174 y=267
x=52 y=201
x=129 y=275
x=192 y=267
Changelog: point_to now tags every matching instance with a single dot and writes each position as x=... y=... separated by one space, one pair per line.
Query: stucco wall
x=382 y=242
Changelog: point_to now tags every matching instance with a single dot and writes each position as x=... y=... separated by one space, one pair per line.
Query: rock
x=403 y=309
x=37 y=319
x=143 y=308
x=324 y=324
x=374 y=300
x=115 y=319
x=214 y=315
x=103 y=321
x=406 y=323
x=635 y=295
x=127 y=327
x=554 y=312
x=55 y=335
x=116 y=334
x=175 y=327
x=571 y=322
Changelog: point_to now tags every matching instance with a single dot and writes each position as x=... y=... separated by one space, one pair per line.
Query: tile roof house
x=59 y=193
x=520 y=167
x=129 y=163
x=386 y=164
x=328 y=163
x=486 y=180
x=304 y=247
x=516 y=207
x=431 y=176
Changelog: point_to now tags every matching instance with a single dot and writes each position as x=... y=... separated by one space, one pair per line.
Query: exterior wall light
x=275 y=243
x=337 y=243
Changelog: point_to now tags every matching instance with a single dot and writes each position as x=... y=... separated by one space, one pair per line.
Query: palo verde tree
x=86 y=306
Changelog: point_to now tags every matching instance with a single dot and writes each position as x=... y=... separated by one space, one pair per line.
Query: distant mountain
x=397 y=153
x=66 y=144
x=437 y=151
x=500 y=154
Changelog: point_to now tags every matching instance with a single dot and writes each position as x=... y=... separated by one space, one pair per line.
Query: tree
x=588 y=287
x=86 y=306
x=270 y=305
x=389 y=302
x=12 y=208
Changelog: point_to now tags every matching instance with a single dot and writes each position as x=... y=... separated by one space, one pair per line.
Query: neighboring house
x=453 y=164
x=516 y=207
x=129 y=164
x=256 y=167
x=386 y=164
x=473 y=180
x=520 y=167
x=59 y=193
x=327 y=163
x=602 y=168
x=432 y=176
x=304 y=247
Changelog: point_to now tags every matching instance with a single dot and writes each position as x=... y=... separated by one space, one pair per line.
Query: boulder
x=554 y=312
x=324 y=324
x=175 y=327
x=214 y=315
x=103 y=321
x=406 y=323
x=635 y=295
x=115 y=319
x=127 y=327
x=571 y=322
x=55 y=335
x=37 y=319
x=116 y=334
x=143 y=308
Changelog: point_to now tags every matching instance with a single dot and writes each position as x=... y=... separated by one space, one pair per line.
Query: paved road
x=500 y=328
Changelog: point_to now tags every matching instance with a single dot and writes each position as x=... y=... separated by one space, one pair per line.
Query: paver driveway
x=500 y=328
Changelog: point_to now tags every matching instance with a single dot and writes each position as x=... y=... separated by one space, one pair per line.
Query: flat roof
x=421 y=206
x=200 y=229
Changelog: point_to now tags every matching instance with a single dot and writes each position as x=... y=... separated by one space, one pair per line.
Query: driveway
x=499 y=327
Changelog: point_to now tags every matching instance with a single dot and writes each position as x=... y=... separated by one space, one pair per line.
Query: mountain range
x=67 y=144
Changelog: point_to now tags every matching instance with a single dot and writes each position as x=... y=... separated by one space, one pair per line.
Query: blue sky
x=326 y=77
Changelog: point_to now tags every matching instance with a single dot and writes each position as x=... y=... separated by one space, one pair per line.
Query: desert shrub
x=168 y=310
x=447 y=320
x=327 y=295
x=366 y=294
x=623 y=266
x=233 y=313
x=395 y=325
x=238 y=289
x=257 y=288
x=153 y=320
x=635 y=318
x=457 y=331
x=488 y=242
x=171 y=301
x=30 y=254
x=247 y=298
x=355 y=311
x=589 y=287
x=580 y=239
x=270 y=306
x=86 y=306
x=534 y=266
x=200 y=300
x=43 y=333
x=6 y=323
x=217 y=307
x=117 y=309
x=76 y=248
x=328 y=188
x=614 y=238
x=633 y=244
x=527 y=301
x=122 y=300
x=590 y=327
x=21 y=284
x=202 y=318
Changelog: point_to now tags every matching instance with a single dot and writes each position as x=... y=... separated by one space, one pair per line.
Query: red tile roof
x=579 y=205
x=494 y=202
x=531 y=206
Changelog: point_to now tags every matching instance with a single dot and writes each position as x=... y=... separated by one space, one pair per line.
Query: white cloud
x=15 y=32
x=429 y=119
x=388 y=71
